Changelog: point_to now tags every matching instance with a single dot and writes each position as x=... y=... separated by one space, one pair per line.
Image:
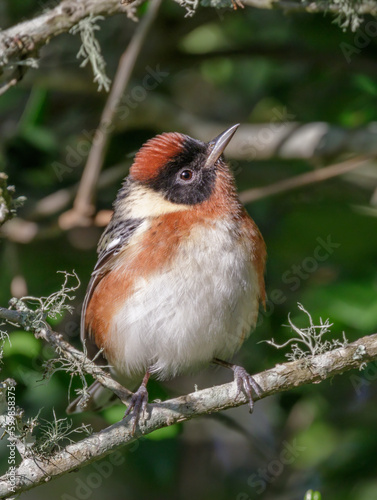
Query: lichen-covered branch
x=8 y=204
x=64 y=349
x=27 y=37
x=35 y=471
x=367 y=7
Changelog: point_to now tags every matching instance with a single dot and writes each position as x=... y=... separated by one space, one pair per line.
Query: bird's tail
x=99 y=398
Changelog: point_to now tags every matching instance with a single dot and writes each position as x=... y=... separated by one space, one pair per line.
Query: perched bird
x=180 y=271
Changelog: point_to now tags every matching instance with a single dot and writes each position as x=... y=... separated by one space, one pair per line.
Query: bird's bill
x=219 y=144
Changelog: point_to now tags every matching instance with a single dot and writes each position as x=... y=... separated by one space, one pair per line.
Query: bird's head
x=174 y=172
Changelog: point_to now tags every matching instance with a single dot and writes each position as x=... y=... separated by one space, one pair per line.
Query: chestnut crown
x=181 y=168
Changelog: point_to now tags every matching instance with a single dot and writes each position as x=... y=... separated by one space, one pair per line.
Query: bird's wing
x=258 y=253
x=114 y=239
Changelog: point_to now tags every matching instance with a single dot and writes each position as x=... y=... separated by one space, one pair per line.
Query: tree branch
x=34 y=471
x=293 y=140
x=317 y=175
x=283 y=137
x=11 y=83
x=367 y=7
x=65 y=349
x=27 y=37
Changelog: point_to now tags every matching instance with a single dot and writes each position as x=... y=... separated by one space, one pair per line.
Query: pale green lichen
x=73 y=367
x=190 y=6
x=348 y=14
x=56 y=434
x=4 y=336
x=35 y=310
x=309 y=341
x=8 y=204
x=90 y=49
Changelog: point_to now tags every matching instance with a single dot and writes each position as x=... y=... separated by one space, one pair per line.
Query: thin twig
x=83 y=207
x=61 y=199
x=318 y=175
x=8 y=85
x=17 y=74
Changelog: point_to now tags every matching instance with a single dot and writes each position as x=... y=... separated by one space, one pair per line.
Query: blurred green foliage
x=312 y=495
x=227 y=67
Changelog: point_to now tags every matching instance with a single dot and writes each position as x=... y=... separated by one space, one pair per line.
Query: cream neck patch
x=143 y=202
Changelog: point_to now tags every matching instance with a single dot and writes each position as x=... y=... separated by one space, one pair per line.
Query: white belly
x=183 y=317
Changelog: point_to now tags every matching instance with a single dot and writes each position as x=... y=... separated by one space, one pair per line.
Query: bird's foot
x=247 y=383
x=137 y=406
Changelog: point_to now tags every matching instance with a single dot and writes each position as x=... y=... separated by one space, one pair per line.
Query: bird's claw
x=137 y=406
x=246 y=383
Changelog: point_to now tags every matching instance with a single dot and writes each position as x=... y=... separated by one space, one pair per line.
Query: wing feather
x=115 y=238
x=258 y=255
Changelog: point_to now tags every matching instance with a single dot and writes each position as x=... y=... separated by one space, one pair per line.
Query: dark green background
x=265 y=61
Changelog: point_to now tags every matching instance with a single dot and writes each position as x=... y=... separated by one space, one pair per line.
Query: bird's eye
x=186 y=175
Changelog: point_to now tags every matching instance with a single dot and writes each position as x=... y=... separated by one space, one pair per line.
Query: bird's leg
x=237 y=3
x=138 y=403
x=243 y=380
